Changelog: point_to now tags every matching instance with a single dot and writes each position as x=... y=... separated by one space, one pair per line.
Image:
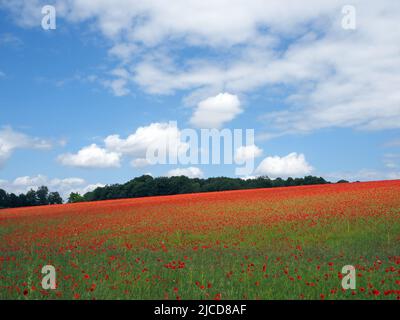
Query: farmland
x=283 y=243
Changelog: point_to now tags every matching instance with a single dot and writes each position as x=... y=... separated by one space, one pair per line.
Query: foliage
x=39 y=197
x=75 y=197
x=146 y=186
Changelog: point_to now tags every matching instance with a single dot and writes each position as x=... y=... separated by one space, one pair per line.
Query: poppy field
x=281 y=243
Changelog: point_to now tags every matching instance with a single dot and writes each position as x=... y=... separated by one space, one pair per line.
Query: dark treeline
x=146 y=186
x=40 y=197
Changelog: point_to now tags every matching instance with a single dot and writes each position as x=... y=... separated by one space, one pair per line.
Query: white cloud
x=292 y=165
x=133 y=25
x=249 y=177
x=213 y=112
x=327 y=88
x=191 y=172
x=123 y=51
x=161 y=136
x=25 y=13
x=334 y=77
x=91 y=157
x=29 y=182
x=88 y=188
x=158 y=135
x=246 y=153
x=217 y=22
x=119 y=83
x=140 y=163
x=63 y=186
x=11 y=140
x=118 y=86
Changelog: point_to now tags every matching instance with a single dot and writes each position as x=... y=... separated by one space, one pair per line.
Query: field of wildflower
x=283 y=243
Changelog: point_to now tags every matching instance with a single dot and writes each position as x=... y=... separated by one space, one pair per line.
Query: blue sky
x=322 y=99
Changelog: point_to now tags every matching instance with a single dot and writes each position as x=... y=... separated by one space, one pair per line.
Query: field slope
x=283 y=243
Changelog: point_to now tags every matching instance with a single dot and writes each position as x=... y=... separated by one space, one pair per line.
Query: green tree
x=31 y=198
x=3 y=199
x=13 y=200
x=54 y=198
x=75 y=197
x=22 y=201
x=42 y=194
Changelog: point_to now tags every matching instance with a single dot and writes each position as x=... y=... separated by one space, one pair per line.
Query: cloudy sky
x=80 y=104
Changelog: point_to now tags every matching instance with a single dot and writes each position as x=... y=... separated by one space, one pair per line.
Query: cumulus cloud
x=91 y=157
x=11 y=140
x=334 y=77
x=191 y=172
x=327 y=88
x=165 y=136
x=246 y=153
x=215 y=22
x=154 y=26
x=63 y=186
x=292 y=165
x=213 y=112
x=161 y=136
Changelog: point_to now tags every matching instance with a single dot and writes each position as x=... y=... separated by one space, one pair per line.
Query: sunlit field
x=283 y=243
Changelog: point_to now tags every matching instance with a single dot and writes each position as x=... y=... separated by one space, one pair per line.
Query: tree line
x=146 y=186
x=39 y=197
